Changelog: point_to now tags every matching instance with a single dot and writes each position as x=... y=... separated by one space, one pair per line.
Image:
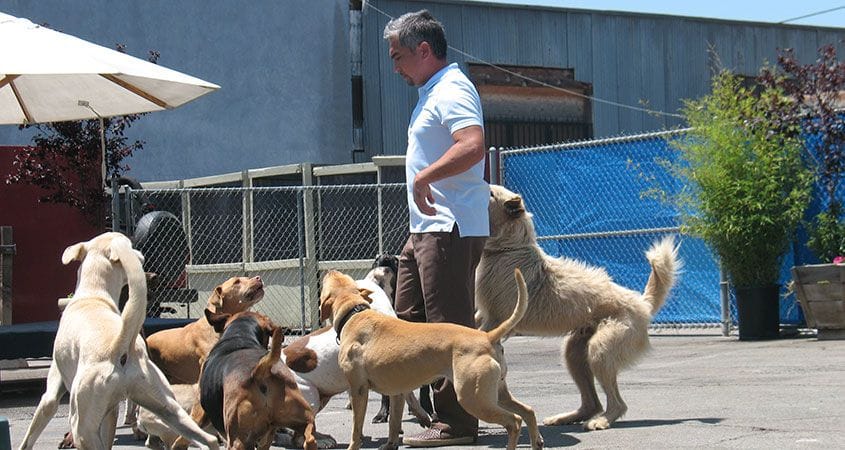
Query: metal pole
x=724 y=295
x=493 y=164
x=115 y=206
x=7 y=259
x=300 y=231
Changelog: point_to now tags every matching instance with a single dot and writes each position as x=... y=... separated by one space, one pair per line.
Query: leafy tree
x=816 y=115
x=66 y=158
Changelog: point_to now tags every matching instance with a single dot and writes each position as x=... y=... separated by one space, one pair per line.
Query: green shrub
x=747 y=187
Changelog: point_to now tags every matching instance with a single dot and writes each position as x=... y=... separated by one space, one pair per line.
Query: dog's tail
x=521 y=305
x=135 y=309
x=665 y=265
x=264 y=368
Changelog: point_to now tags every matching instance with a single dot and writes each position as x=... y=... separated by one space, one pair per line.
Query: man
x=447 y=199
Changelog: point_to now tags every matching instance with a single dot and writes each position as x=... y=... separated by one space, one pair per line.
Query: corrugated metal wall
x=639 y=60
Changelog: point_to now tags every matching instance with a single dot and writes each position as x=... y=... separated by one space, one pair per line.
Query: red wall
x=41 y=233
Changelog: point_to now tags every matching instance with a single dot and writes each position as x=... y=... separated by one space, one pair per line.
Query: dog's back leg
x=93 y=407
x=578 y=363
x=507 y=401
x=155 y=395
x=46 y=407
x=615 y=346
x=478 y=392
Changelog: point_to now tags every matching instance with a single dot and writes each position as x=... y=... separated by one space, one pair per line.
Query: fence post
x=493 y=164
x=724 y=296
x=300 y=241
x=115 y=206
x=312 y=272
x=7 y=257
x=380 y=208
x=247 y=252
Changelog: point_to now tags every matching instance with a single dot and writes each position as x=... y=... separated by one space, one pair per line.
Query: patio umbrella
x=47 y=76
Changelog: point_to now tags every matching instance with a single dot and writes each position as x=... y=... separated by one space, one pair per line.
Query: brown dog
x=246 y=392
x=392 y=356
x=179 y=352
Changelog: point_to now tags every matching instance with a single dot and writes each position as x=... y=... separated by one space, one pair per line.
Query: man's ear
x=424 y=49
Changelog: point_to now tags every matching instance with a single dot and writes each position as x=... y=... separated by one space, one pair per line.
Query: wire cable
x=368 y=4
x=817 y=13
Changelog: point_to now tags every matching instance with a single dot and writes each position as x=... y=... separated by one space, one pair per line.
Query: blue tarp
x=600 y=189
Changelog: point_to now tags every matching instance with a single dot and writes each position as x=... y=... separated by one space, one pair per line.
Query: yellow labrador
x=99 y=355
x=393 y=357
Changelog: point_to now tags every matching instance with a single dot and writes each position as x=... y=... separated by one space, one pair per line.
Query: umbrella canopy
x=47 y=76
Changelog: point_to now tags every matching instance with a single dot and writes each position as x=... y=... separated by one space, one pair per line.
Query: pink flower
x=839 y=260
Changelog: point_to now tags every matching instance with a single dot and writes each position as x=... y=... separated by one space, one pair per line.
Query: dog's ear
x=326 y=308
x=75 y=252
x=217 y=320
x=514 y=206
x=216 y=299
x=366 y=294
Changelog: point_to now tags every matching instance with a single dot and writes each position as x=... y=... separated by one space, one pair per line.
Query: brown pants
x=436 y=283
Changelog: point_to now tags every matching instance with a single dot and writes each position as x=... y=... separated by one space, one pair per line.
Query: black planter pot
x=759 y=312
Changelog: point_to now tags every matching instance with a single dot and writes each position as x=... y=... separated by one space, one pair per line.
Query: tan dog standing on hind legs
x=607 y=323
x=393 y=356
x=103 y=364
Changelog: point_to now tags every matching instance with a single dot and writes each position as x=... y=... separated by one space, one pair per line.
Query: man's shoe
x=436 y=437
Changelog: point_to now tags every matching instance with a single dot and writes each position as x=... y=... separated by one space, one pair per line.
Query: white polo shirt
x=448 y=102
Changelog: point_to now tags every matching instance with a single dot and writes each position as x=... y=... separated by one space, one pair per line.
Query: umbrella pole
x=84 y=103
x=103 y=149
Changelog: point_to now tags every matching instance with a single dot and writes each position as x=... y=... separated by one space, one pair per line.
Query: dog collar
x=355 y=310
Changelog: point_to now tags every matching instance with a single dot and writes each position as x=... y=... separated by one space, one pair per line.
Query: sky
x=746 y=10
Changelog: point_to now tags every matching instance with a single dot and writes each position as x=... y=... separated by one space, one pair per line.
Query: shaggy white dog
x=607 y=323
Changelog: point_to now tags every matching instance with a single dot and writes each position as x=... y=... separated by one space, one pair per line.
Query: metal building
x=310 y=81
x=624 y=60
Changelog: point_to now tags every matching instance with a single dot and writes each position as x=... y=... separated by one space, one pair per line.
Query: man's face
x=407 y=63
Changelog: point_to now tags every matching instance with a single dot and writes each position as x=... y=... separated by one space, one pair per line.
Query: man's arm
x=466 y=152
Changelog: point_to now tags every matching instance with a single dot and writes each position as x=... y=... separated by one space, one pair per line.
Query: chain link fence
x=195 y=239
x=588 y=203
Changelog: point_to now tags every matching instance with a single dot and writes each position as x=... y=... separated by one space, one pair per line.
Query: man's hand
x=467 y=151
x=423 y=197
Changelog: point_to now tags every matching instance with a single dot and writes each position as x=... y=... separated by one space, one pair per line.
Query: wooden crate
x=820 y=289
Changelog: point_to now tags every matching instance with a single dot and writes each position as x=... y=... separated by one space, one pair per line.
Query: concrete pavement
x=692 y=390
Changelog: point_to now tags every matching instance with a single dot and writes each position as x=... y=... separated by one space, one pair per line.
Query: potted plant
x=745 y=192
x=818 y=91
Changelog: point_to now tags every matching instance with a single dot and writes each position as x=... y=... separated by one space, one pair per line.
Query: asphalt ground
x=695 y=390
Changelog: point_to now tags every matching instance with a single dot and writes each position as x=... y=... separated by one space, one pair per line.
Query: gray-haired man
x=447 y=199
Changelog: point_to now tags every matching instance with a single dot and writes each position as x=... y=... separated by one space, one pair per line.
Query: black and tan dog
x=246 y=392
x=393 y=357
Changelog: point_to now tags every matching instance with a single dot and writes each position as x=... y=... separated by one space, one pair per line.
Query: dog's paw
x=325 y=441
x=597 y=423
x=67 y=441
x=381 y=417
x=424 y=420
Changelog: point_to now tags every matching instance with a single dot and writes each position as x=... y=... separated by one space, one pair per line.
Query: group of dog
x=227 y=375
